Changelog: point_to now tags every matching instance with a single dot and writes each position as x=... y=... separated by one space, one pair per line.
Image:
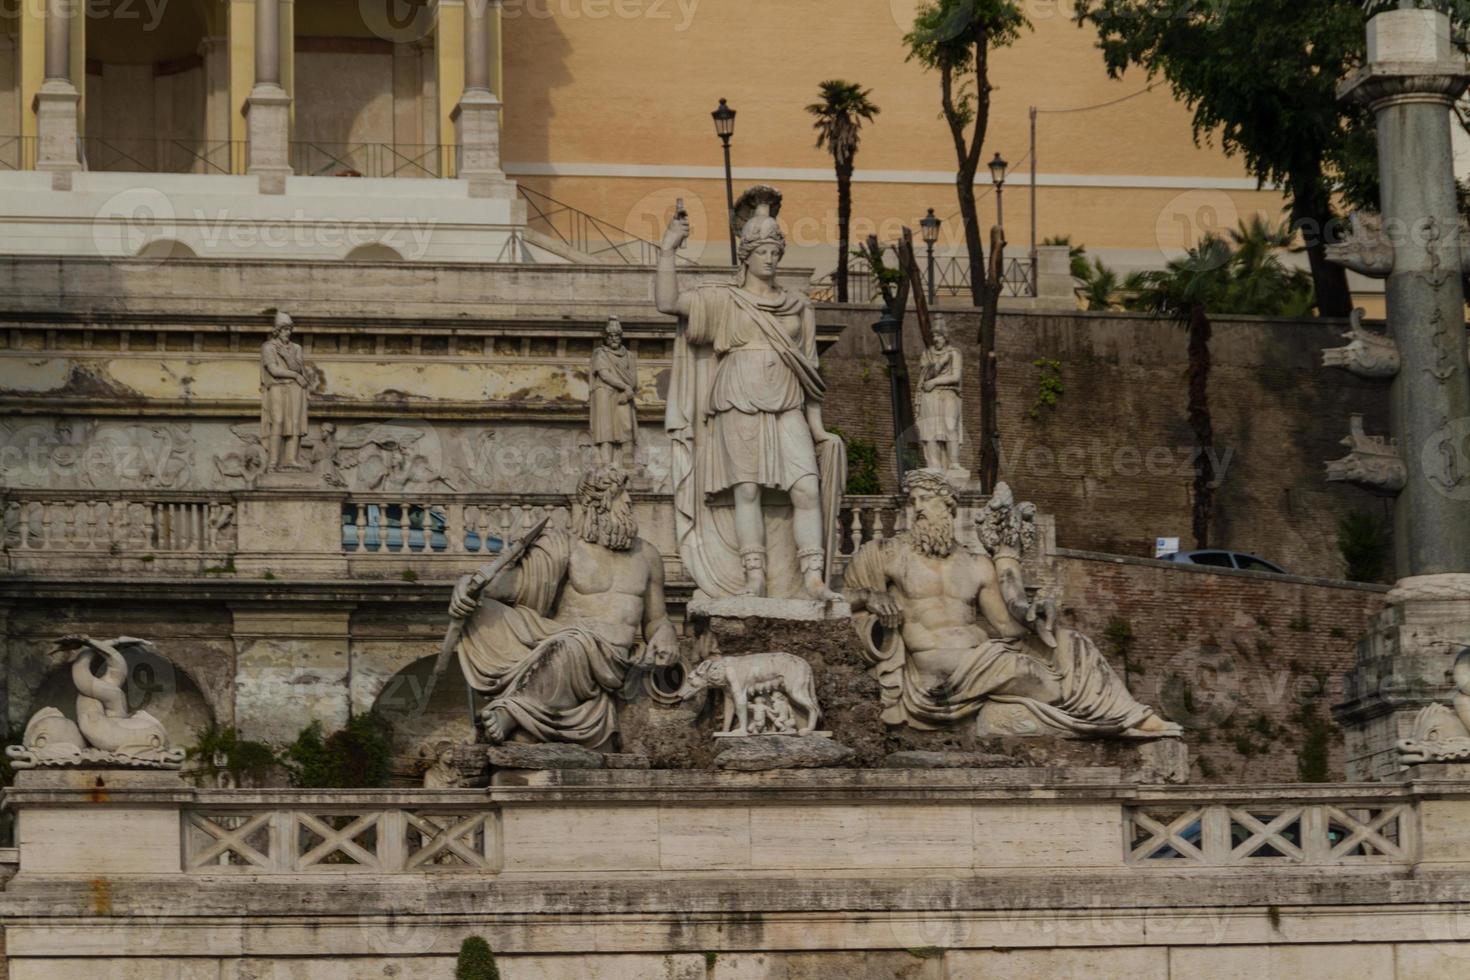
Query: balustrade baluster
x=89 y=543
x=360 y=518
x=25 y=524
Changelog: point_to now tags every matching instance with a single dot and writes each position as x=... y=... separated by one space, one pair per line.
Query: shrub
x=356 y=756
x=476 y=961
x=223 y=750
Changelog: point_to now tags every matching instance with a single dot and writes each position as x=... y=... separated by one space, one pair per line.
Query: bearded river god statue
x=952 y=634
x=758 y=480
x=551 y=639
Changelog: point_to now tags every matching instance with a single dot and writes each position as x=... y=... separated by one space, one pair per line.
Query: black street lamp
x=724 y=118
x=929 y=225
x=998 y=176
x=887 y=328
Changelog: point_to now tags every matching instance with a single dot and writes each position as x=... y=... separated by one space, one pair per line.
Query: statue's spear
x=509 y=557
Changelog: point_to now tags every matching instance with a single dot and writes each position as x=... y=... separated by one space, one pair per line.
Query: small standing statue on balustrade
x=283 y=385
x=745 y=418
x=612 y=382
x=940 y=413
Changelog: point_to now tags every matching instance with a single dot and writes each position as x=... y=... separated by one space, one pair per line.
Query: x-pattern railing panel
x=1314 y=834
x=445 y=836
x=227 y=843
x=1266 y=834
x=282 y=841
x=1370 y=833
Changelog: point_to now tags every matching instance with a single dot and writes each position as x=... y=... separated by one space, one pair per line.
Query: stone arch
x=374 y=252
x=446 y=717
x=167 y=248
x=156 y=685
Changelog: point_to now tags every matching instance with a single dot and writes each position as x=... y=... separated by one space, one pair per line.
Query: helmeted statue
x=757 y=477
x=952 y=634
x=551 y=639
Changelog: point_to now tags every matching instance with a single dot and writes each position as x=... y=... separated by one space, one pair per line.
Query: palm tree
x=1244 y=275
x=1100 y=286
x=1186 y=290
x=1260 y=282
x=840 y=115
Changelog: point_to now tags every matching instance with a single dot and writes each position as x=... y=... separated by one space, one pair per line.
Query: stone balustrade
x=333 y=533
x=70 y=531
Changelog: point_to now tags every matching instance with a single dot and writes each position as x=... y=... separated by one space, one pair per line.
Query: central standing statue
x=745 y=418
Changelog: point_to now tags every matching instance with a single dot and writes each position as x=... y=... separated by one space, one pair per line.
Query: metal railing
x=319 y=158
x=163 y=155
x=602 y=242
x=951 y=278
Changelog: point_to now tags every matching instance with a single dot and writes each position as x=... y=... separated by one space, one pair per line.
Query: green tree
x=840 y=113
x=955 y=38
x=476 y=961
x=1241 y=276
x=1261 y=76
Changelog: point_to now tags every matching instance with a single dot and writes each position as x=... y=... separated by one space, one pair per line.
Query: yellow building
x=603 y=123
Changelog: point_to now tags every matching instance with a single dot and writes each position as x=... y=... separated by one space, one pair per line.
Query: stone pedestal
x=290 y=533
x=1403 y=666
x=268 y=127
x=477 y=133
x=763 y=753
x=56 y=108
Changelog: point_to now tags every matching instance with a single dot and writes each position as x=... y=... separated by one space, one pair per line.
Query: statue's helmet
x=755 y=220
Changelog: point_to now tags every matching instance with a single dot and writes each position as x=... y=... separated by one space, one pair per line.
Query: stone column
x=268 y=109
x=1411 y=80
x=477 y=117
x=57 y=104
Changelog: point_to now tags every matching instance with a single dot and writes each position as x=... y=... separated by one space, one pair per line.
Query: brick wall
x=1112 y=459
x=1249 y=664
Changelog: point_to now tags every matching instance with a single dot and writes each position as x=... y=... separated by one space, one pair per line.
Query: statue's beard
x=614 y=527
x=934 y=534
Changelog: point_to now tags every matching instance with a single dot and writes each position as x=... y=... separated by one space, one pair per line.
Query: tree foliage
x=842 y=109
x=1261 y=76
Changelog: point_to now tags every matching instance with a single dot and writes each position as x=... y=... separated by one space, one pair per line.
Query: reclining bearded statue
x=951 y=633
x=551 y=639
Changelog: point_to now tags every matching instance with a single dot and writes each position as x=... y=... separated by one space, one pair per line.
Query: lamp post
x=998 y=176
x=929 y=225
x=724 y=118
x=887 y=328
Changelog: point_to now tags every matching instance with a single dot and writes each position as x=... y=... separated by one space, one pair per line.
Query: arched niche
x=155 y=684
x=447 y=715
x=374 y=252
x=167 y=248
